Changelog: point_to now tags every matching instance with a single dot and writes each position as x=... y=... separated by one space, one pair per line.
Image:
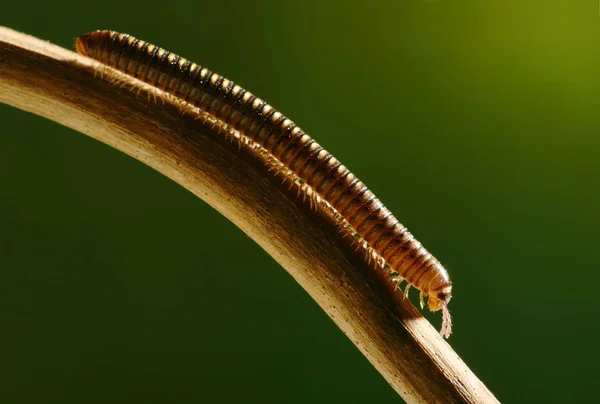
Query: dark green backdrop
x=477 y=122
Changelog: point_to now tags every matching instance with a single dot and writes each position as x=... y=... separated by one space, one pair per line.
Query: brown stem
x=194 y=150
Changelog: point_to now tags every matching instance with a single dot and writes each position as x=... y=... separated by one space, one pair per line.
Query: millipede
x=402 y=256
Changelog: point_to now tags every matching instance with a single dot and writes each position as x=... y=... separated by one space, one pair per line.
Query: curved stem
x=241 y=182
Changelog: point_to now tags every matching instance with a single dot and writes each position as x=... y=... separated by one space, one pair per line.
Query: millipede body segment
x=404 y=256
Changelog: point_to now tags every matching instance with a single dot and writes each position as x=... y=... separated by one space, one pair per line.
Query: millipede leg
x=287 y=177
x=314 y=200
x=358 y=243
x=398 y=280
x=370 y=256
x=408 y=286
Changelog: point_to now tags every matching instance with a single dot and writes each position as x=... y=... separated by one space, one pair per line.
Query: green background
x=476 y=122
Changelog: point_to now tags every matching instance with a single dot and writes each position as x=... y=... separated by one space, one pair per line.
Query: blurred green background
x=476 y=122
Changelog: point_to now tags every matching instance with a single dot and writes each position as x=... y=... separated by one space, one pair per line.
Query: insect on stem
x=324 y=177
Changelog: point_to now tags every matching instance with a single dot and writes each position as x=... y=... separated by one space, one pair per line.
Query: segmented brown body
x=260 y=122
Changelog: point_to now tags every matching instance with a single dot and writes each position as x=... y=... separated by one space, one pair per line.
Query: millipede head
x=440 y=299
x=439 y=290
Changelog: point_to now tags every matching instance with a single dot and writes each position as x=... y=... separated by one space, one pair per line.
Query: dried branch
x=197 y=152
